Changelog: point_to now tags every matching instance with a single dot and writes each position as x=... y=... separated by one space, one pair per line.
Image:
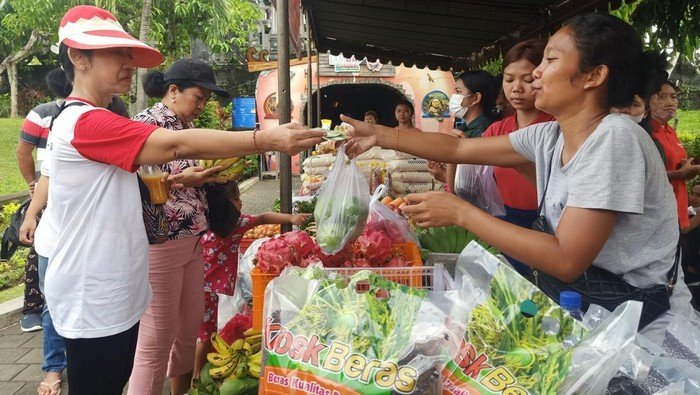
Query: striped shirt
x=35 y=129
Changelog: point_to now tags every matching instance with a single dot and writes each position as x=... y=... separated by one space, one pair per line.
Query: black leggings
x=101 y=365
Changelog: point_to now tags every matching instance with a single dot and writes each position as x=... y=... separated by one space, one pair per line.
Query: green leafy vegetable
x=376 y=323
x=535 y=349
x=449 y=239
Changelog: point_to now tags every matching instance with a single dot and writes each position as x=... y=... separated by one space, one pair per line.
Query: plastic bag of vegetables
x=518 y=341
x=382 y=218
x=342 y=206
x=358 y=335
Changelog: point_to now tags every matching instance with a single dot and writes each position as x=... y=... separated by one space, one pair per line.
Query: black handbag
x=10 y=238
x=606 y=289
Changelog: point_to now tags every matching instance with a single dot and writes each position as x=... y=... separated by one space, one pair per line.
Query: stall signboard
x=342 y=64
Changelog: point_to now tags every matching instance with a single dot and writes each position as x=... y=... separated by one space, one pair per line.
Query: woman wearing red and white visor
x=97 y=279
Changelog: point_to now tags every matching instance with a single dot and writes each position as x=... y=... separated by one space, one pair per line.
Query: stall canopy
x=447 y=34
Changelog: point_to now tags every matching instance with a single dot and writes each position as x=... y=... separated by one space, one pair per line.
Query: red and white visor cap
x=88 y=27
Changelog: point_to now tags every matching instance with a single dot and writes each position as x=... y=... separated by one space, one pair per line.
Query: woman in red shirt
x=664 y=105
x=518 y=193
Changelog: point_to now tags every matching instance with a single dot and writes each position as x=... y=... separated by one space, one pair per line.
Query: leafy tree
x=667 y=25
x=27 y=26
x=223 y=25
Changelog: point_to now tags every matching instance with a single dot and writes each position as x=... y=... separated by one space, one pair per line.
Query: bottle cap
x=570 y=300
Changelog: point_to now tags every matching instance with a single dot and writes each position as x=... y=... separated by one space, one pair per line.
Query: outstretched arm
x=164 y=145
x=438 y=147
x=281 y=218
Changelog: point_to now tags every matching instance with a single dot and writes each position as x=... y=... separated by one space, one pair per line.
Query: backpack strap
x=62 y=107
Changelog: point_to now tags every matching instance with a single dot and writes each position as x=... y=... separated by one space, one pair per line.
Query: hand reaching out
x=195 y=176
x=298 y=219
x=363 y=136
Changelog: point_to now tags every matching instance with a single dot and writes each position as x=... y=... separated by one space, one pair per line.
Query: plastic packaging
x=385 y=220
x=342 y=207
x=475 y=184
x=360 y=334
x=571 y=302
x=515 y=339
x=672 y=367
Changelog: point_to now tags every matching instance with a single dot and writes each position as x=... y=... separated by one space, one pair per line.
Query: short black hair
x=602 y=39
x=481 y=81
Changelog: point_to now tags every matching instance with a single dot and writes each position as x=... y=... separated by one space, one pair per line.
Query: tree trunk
x=673 y=62
x=26 y=51
x=12 y=76
x=10 y=64
x=141 y=100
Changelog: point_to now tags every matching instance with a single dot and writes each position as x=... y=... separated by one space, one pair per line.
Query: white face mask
x=456 y=108
x=635 y=118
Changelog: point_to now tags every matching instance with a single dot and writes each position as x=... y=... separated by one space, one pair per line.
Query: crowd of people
x=580 y=142
x=586 y=188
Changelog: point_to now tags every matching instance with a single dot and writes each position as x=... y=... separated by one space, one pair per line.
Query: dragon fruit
x=357 y=262
x=398 y=261
x=373 y=246
x=337 y=259
x=274 y=255
x=306 y=261
x=302 y=243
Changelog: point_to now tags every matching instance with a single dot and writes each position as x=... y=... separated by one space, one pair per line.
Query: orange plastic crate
x=410 y=275
x=244 y=244
x=260 y=281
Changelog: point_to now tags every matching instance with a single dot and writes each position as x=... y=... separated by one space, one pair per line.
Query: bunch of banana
x=254 y=338
x=231 y=168
x=254 y=363
x=240 y=360
x=228 y=361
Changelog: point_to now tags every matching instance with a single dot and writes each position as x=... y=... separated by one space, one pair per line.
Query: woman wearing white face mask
x=474 y=101
x=640 y=113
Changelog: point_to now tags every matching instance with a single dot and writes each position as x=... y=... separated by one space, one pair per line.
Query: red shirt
x=516 y=191
x=221 y=256
x=675 y=155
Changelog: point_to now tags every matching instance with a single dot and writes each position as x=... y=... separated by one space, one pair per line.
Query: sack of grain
x=317 y=171
x=412 y=176
x=390 y=154
x=404 y=188
x=404 y=165
x=373 y=153
x=324 y=160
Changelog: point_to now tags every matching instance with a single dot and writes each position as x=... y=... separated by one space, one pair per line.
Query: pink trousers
x=169 y=327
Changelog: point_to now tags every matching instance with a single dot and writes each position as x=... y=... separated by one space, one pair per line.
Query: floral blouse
x=221 y=256
x=186 y=209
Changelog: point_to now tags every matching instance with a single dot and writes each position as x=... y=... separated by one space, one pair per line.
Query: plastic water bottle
x=571 y=302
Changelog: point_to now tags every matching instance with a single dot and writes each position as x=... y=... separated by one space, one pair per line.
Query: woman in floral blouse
x=169 y=328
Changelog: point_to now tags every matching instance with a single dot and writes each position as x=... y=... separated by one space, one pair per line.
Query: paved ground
x=21 y=353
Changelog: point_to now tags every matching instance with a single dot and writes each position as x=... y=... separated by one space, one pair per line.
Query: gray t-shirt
x=617 y=168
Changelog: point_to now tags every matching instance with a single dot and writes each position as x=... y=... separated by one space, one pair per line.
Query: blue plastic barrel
x=243 y=113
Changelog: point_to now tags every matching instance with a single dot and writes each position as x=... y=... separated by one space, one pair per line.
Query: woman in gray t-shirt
x=608 y=198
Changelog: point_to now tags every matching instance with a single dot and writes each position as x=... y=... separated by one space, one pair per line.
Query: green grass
x=10 y=179
x=689 y=121
x=11 y=293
